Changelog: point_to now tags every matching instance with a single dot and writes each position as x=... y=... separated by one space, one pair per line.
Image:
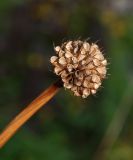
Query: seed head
x=81 y=66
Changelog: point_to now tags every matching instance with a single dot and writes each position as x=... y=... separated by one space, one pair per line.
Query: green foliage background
x=68 y=127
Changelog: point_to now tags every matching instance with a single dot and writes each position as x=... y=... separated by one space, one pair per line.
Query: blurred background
x=67 y=128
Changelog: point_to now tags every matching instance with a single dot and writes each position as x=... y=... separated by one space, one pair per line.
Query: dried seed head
x=81 y=66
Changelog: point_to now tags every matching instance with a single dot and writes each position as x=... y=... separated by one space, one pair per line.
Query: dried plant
x=81 y=67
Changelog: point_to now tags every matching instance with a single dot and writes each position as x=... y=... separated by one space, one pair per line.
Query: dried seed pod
x=104 y=62
x=62 y=61
x=96 y=78
x=81 y=66
x=97 y=62
x=86 y=93
x=86 y=46
x=57 y=48
x=57 y=70
x=69 y=46
x=53 y=59
x=93 y=91
x=68 y=54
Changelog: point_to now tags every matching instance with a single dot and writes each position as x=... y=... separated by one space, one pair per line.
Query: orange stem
x=30 y=110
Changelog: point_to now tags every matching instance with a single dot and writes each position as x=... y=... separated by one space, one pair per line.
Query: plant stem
x=30 y=110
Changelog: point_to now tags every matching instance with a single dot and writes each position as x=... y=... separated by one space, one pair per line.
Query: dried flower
x=81 y=66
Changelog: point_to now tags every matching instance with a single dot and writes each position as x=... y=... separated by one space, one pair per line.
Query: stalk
x=29 y=111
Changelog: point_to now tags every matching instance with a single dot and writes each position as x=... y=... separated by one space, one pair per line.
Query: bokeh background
x=67 y=128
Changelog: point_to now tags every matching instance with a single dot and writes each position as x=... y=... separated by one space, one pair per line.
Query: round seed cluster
x=80 y=65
